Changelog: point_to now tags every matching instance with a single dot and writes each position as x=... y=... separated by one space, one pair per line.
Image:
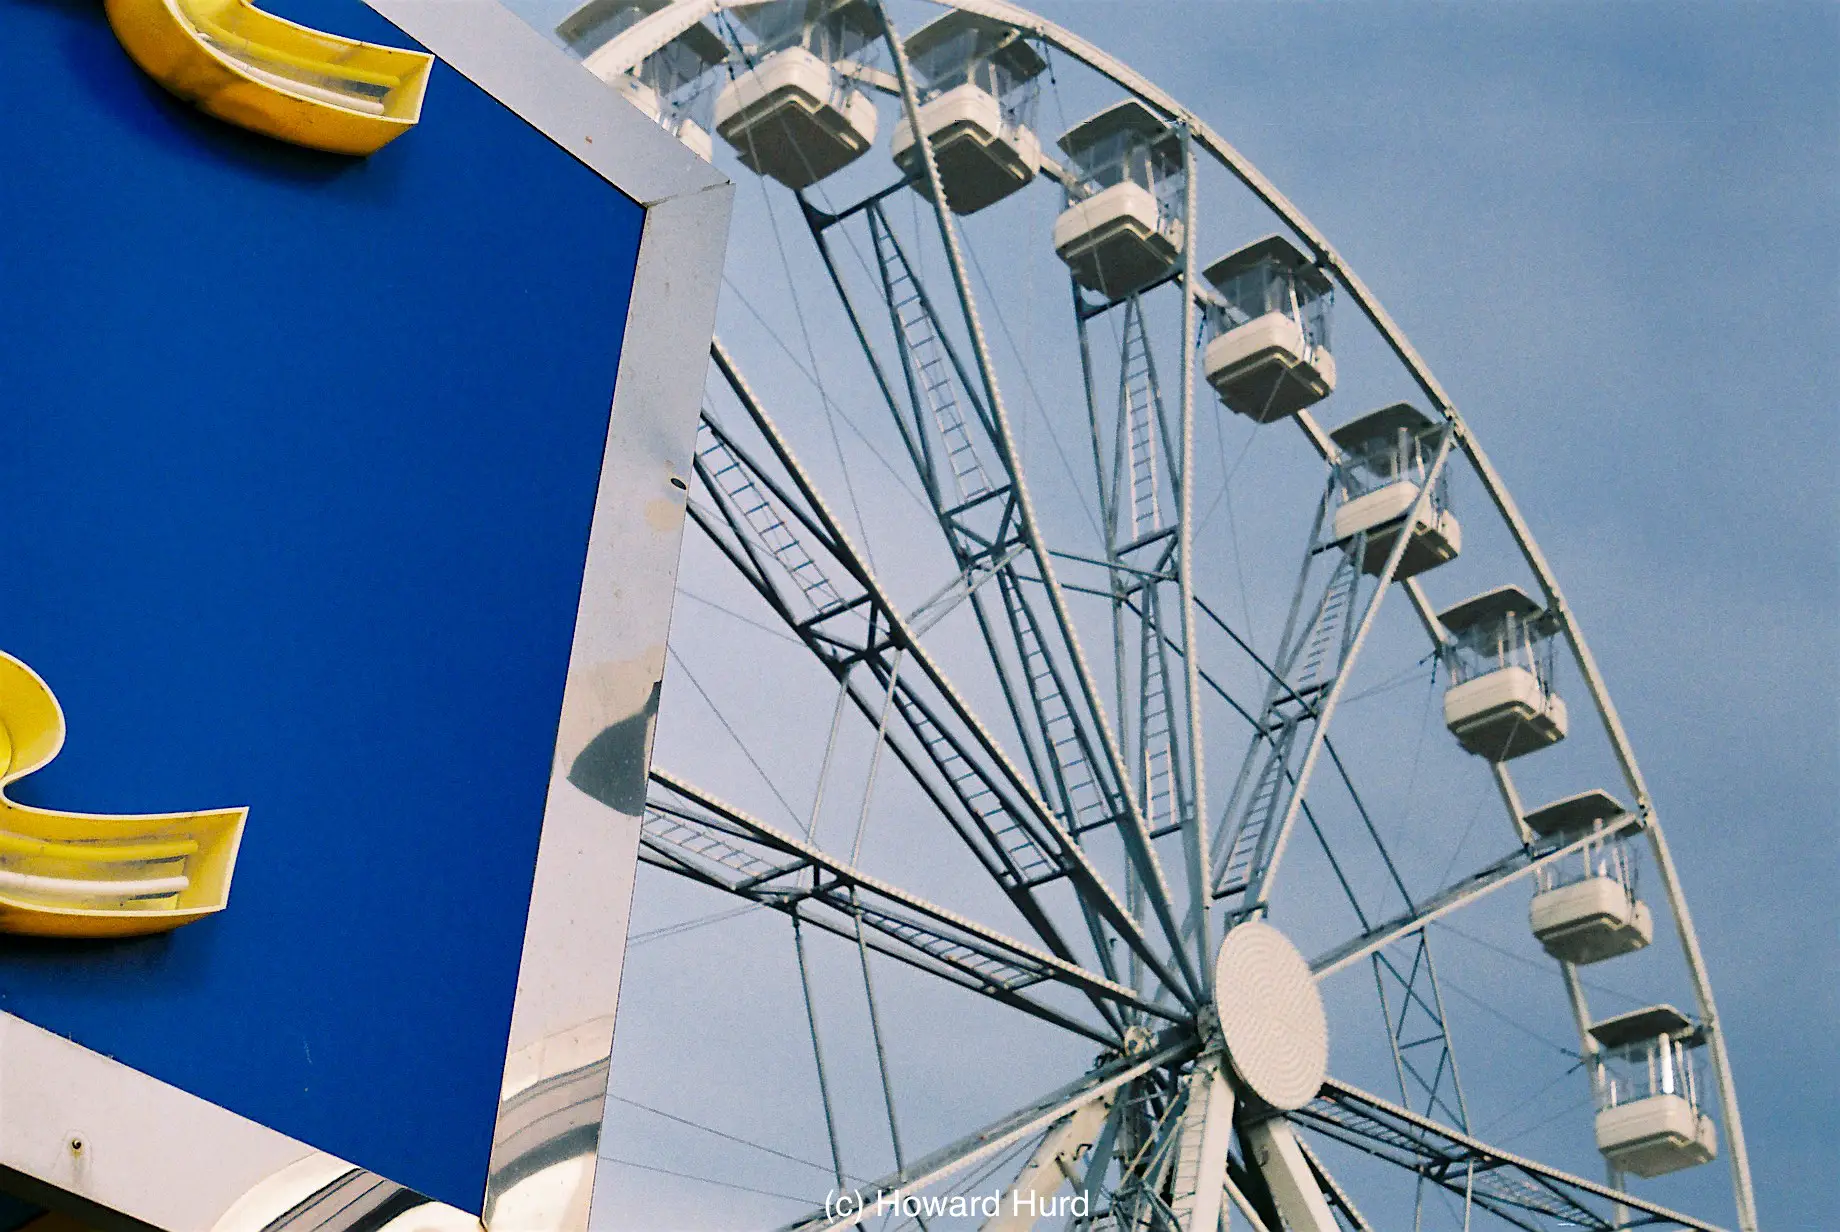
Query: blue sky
x=1611 y=229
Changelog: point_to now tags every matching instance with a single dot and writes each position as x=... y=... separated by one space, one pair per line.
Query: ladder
x=1309 y=664
x=1158 y=767
x=733 y=481
x=1329 y=635
x=929 y=367
x=1268 y=797
x=1139 y=409
x=1020 y=849
x=1063 y=738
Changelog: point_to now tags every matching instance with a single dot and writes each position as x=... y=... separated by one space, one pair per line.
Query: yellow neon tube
x=272 y=76
x=97 y=874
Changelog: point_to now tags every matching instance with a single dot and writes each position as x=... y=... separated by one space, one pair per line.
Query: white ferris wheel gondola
x=1122 y=229
x=1384 y=456
x=1587 y=909
x=795 y=116
x=979 y=93
x=1648 y=1118
x=1501 y=703
x=1269 y=357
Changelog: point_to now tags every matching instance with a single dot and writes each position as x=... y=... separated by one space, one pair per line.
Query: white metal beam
x=1029 y=1197
x=1280 y=1160
x=1201 y=1150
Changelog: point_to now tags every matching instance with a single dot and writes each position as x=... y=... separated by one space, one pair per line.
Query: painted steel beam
x=1017 y=1127
x=1512 y=867
x=718 y=827
x=1510 y=1185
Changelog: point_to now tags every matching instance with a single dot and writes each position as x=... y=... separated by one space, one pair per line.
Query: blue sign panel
x=300 y=456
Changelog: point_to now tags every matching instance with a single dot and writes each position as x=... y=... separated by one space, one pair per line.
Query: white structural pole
x=1294 y=1191
x=1260 y=891
x=1030 y=1197
x=1155 y=883
x=1201 y=1148
x=1083 y=870
x=1200 y=858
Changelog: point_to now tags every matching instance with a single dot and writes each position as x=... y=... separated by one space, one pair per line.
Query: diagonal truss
x=1316 y=654
x=781 y=538
x=1006 y=1132
x=952 y=431
x=1519 y=1191
x=691 y=832
x=1417 y=1031
x=1514 y=866
x=1142 y=502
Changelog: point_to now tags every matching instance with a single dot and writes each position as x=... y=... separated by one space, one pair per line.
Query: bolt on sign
x=351 y=353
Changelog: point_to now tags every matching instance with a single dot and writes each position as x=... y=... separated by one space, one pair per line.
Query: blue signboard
x=300 y=457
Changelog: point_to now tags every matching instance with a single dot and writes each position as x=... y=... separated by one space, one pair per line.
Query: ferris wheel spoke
x=1732 y=1128
x=1319 y=656
x=996 y=1137
x=1332 y=1190
x=778 y=532
x=680 y=862
x=1518 y=1190
x=722 y=845
x=1516 y=865
x=1064 y=719
x=1198 y=848
x=981 y=506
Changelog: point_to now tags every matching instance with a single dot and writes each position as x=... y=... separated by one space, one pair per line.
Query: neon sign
x=89 y=874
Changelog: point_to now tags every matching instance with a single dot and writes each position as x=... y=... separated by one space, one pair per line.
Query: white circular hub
x=1271 y=1016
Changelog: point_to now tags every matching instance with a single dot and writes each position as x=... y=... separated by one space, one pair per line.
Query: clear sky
x=1611 y=229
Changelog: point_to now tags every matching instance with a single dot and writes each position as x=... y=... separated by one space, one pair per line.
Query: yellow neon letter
x=97 y=875
x=271 y=76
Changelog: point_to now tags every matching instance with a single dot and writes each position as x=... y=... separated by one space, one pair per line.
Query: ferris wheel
x=1067 y=772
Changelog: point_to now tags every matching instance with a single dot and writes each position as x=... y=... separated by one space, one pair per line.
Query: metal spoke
x=987 y=526
x=951 y=756
x=1130 y=818
x=1199 y=850
x=993 y=1138
x=1263 y=846
x=1516 y=1189
x=817 y=1053
x=724 y=846
x=1512 y=867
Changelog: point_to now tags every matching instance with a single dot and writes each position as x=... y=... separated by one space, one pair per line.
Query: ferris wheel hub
x=1271 y=1015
